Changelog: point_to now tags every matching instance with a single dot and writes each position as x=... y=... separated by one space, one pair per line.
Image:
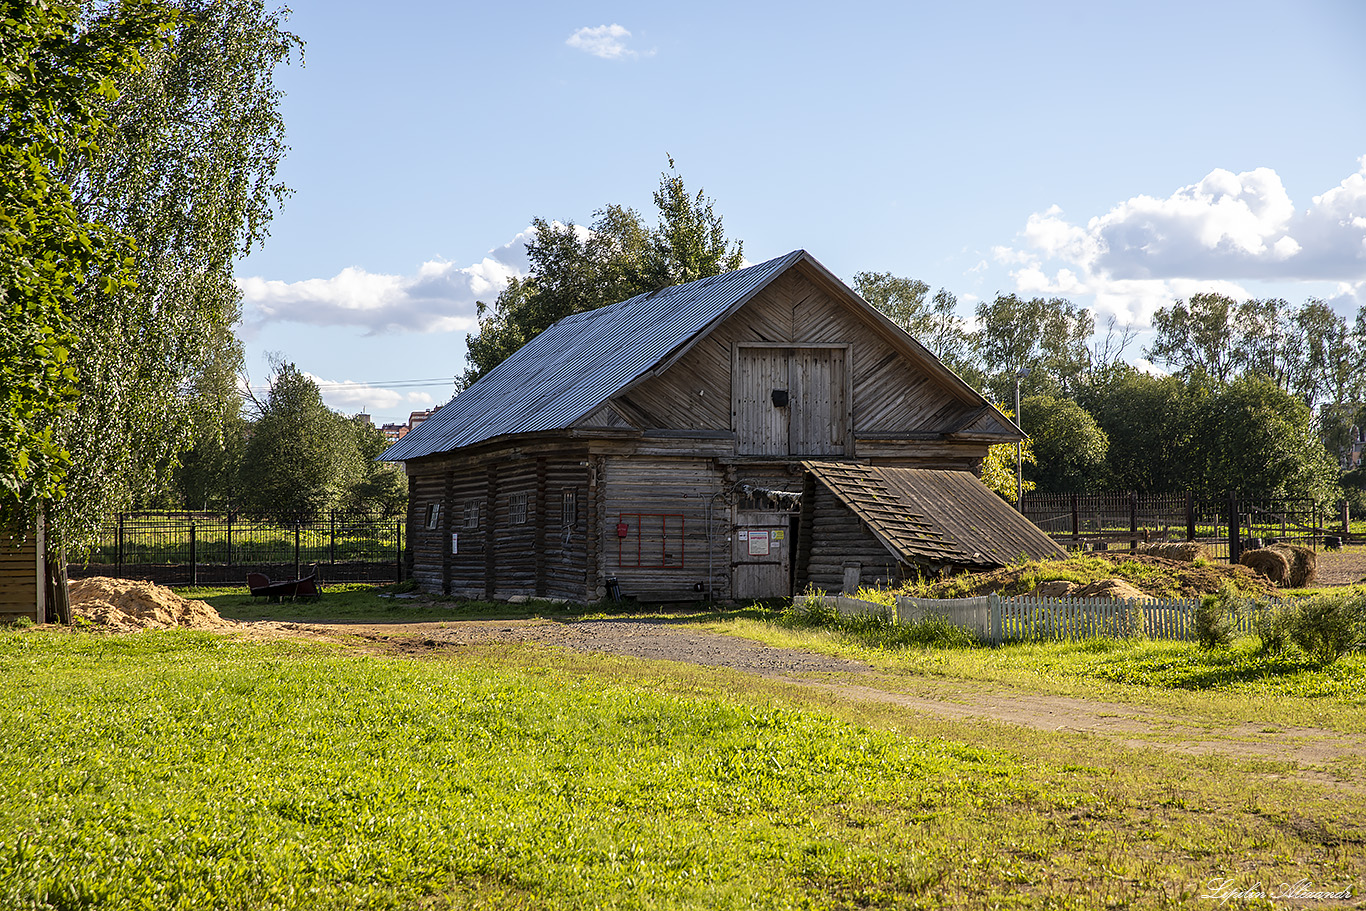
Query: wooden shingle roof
x=925 y=515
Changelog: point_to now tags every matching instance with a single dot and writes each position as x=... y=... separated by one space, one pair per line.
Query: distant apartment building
x=394 y=432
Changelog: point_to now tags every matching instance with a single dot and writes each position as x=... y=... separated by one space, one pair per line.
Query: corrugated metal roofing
x=932 y=515
x=583 y=360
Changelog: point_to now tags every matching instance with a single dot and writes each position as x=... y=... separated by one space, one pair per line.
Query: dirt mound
x=122 y=604
x=1153 y=576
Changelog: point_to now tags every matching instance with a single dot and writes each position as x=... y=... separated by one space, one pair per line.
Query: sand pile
x=122 y=604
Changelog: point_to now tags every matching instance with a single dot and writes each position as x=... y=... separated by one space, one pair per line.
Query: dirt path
x=1129 y=725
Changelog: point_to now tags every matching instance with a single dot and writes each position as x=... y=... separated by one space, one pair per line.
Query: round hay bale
x=1185 y=551
x=1302 y=561
x=1269 y=563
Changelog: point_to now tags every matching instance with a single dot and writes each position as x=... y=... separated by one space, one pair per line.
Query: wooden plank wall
x=831 y=538
x=22 y=577
x=891 y=395
x=674 y=487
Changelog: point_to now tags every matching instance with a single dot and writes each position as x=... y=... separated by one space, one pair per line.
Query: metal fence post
x=229 y=539
x=119 y=547
x=1133 y=521
x=332 y=536
x=398 y=550
x=1234 y=527
x=296 y=549
x=1190 y=515
x=194 y=558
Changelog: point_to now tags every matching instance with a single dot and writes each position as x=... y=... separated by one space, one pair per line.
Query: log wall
x=832 y=539
x=502 y=530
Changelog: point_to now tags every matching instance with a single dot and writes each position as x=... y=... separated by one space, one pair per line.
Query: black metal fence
x=186 y=548
x=1226 y=524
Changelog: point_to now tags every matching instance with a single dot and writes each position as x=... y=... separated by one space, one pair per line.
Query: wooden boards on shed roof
x=925 y=515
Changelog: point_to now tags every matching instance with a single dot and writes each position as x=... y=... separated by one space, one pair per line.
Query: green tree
x=572 y=270
x=54 y=74
x=999 y=467
x=188 y=173
x=1069 y=447
x=382 y=486
x=1150 y=423
x=1046 y=336
x=302 y=458
x=1256 y=438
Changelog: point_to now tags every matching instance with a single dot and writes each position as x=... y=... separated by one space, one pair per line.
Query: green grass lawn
x=190 y=770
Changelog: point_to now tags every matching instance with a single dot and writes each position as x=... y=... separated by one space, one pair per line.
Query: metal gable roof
x=583 y=360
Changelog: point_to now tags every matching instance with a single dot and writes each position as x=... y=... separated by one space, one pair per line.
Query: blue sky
x=1121 y=155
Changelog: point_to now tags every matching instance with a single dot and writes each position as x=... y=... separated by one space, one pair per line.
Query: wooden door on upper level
x=790 y=400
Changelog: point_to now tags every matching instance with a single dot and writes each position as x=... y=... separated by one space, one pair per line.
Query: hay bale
x=1185 y=551
x=1267 y=562
x=1302 y=561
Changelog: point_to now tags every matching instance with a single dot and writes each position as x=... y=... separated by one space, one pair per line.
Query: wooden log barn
x=742 y=436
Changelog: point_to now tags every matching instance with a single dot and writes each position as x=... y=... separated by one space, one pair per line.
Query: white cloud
x=1146 y=251
x=605 y=41
x=351 y=398
x=439 y=297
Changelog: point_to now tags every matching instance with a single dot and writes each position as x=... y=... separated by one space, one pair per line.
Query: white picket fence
x=995 y=619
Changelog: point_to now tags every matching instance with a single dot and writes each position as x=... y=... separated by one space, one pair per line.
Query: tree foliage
x=189 y=175
x=55 y=80
x=1048 y=337
x=575 y=269
x=1069 y=447
x=302 y=458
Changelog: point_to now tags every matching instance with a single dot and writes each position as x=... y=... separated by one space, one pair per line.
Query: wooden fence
x=995 y=619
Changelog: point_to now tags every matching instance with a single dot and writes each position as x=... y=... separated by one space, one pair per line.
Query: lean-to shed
x=656 y=447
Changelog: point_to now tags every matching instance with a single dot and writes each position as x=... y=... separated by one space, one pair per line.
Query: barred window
x=517 y=508
x=569 y=509
x=471 y=513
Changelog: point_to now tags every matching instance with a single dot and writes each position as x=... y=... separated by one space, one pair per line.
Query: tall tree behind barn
x=657 y=446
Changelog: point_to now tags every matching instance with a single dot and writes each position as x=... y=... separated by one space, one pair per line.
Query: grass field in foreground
x=187 y=770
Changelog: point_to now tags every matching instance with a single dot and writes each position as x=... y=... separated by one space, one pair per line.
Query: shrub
x=1215 y=615
x=1328 y=626
x=1272 y=622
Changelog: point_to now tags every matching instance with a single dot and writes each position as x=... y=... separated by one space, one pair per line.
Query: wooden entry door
x=790 y=401
x=761 y=558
